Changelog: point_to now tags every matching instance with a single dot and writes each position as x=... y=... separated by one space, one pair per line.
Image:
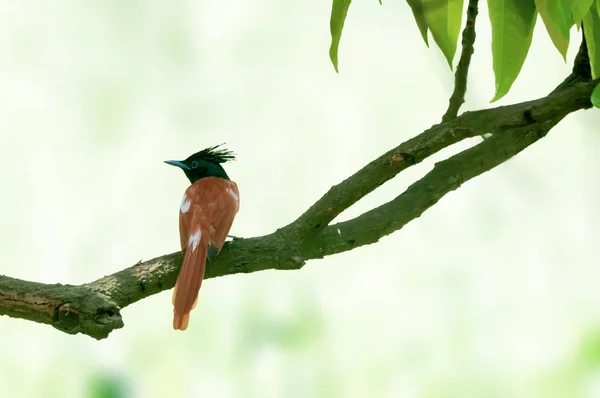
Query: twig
x=462 y=70
x=582 y=71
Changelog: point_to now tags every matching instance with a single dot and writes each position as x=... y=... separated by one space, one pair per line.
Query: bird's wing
x=228 y=204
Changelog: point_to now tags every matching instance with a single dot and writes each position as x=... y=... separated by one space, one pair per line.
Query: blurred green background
x=491 y=293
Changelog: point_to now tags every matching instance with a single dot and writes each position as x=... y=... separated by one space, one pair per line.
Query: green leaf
x=560 y=13
x=591 y=30
x=444 y=21
x=512 y=28
x=596 y=96
x=558 y=30
x=579 y=9
x=339 y=10
x=419 y=14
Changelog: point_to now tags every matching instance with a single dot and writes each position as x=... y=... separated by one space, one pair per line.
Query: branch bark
x=94 y=308
x=462 y=69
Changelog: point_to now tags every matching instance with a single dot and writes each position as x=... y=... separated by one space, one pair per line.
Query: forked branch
x=94 y=308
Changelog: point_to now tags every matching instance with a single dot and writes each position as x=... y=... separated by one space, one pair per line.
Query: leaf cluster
x=512 y=23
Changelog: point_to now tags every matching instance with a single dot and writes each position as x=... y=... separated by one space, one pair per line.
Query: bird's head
x=206 y=163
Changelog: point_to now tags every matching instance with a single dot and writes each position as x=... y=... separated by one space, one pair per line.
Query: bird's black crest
x=214 y=155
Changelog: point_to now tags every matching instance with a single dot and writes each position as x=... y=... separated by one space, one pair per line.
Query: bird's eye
x=194 y=164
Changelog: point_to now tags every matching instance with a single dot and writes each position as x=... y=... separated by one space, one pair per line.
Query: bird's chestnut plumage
x=206 y=214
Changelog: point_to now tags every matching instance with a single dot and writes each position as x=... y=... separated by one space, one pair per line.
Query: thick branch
x=445 y=177
x=470 y=124
x=94 y=308
x=72 y=309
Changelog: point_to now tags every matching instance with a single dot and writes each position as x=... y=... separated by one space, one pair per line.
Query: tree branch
x=71 y=309
x=582 y=71
x=94 y=308
x=462 y=69
x=470 y=124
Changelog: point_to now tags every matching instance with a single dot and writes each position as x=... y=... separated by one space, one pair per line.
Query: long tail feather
x=188 y=283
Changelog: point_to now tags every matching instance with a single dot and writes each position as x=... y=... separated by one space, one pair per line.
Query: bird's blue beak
x=178 y=163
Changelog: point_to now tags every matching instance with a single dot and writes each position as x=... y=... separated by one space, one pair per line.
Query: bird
x=206 y=214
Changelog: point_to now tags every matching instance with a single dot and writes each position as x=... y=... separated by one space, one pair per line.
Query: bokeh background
x=491 y=293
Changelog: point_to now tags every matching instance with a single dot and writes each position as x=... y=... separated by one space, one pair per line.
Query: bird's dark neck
x=213 y=170
x=194 y=179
